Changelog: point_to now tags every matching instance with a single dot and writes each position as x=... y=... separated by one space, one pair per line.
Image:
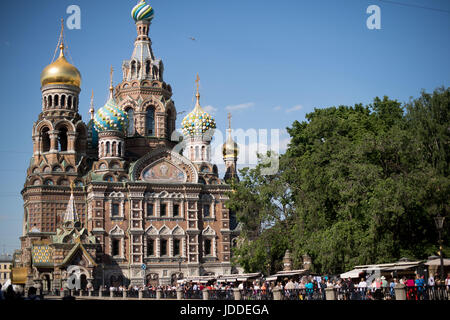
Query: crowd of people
x=308 y=287
x=298 y=288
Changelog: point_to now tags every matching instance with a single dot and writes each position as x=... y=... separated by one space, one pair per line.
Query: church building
x=118 y=197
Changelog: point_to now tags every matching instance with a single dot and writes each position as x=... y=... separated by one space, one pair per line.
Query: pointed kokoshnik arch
x=164 y=166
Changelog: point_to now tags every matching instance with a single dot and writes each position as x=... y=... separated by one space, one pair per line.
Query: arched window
x=56 y=100
x=119 y=149
x=63 y=100
x=138 y=68
x=69 y=102
x=107 y=148
x=45 y=139
x=62 y=139
x=130 y=113
x=147 y=67
x=197 y=152
x=114 y=149
x=80 y=143
x=203 y=153
x=169 y=123
x=133 y=68
x=150 y=122
x=49 y=101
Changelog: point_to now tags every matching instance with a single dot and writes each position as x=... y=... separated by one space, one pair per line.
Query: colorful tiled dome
x=110 y=117
x=142 y=11
x=197 y=122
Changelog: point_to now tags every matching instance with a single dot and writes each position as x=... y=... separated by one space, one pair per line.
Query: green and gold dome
x=198 y=121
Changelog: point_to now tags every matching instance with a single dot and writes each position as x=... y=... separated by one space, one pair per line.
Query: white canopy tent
x=437 y=262
x=352 y=274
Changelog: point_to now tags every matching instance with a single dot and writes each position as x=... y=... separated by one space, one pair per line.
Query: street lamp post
x=439 y=221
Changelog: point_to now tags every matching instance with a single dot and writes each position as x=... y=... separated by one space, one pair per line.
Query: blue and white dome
x=110 y=117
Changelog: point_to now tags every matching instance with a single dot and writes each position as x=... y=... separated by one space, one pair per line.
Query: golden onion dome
x=230 y=148
x=61 y=72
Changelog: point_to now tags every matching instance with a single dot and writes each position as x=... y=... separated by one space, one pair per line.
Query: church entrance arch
x=152 y=279
x=176 y=276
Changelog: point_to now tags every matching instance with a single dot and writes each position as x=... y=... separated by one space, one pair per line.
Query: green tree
x=356 y=185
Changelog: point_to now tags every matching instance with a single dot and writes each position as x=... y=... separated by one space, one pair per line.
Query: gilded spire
x=197 y=95
x=91 y=110
x=111 y=88
x=229 y=120
x=61 y=39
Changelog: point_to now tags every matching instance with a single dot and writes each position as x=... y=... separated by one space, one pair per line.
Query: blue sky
x=269 y=62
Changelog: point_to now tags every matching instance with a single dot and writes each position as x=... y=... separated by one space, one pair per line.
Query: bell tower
x=143 y=94
x=230 y=151
x=198 y=128
x=59 y=135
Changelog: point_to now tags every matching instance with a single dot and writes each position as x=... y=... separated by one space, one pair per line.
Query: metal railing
x=437 y=292
x=303 y=294
x=252 y=294
x=383 y=293
x=132 y=293
x=220 y=294
x=148 y=294
x=168 y=294
x=193 y=294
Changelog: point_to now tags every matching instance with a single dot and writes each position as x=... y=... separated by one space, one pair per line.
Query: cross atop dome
x=198 y=121
x=60 y=71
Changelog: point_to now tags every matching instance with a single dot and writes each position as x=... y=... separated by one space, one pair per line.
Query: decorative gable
x=208 y=231
x=163 y=171
x=164 y=230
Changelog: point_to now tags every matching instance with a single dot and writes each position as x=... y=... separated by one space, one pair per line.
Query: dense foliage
x=357 y=185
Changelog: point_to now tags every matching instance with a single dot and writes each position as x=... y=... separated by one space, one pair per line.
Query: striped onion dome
x=142 y=11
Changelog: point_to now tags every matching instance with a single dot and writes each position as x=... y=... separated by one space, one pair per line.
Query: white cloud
x=294 y=108
x=210 y=109
x=277 y=108
x=240 y=106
